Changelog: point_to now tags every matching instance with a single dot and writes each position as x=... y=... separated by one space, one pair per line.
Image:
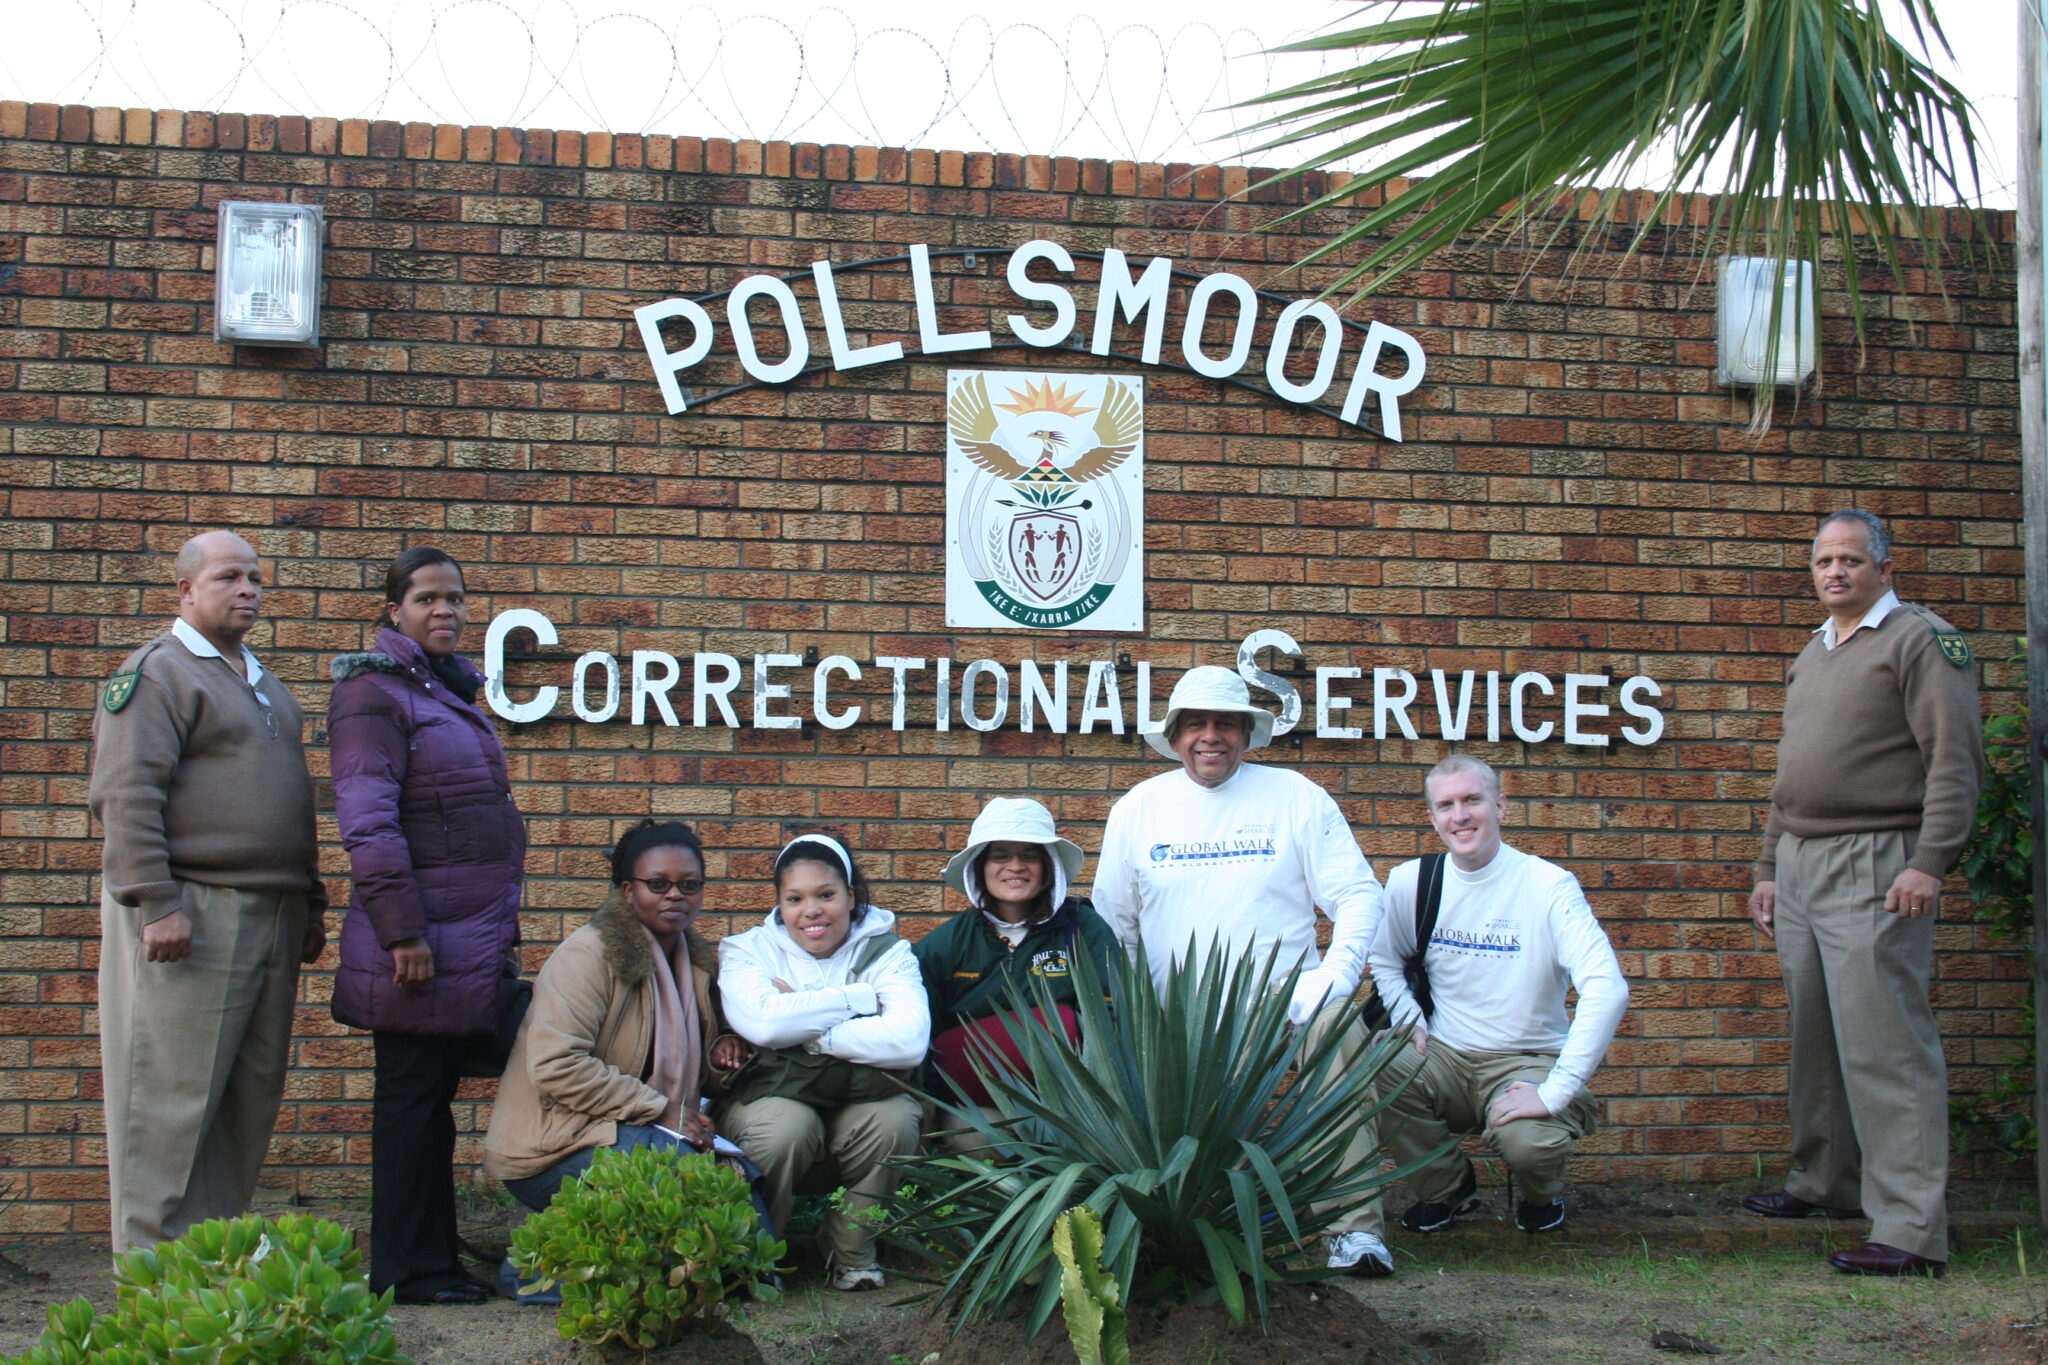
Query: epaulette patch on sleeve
x=120 y=688
x=1954 y=647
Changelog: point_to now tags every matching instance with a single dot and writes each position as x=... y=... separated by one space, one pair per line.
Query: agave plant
x=1802 y=116
x=1206 y=1135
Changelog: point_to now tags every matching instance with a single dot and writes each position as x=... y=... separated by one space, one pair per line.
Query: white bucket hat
x=1211 y=688
x=1014 y=820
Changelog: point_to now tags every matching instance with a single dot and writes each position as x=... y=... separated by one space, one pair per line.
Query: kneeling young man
x=1495 y=1054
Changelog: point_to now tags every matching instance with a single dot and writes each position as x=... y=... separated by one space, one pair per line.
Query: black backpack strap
x=1429 y=895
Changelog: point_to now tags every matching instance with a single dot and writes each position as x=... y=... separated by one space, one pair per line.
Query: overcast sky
x=1111 y=79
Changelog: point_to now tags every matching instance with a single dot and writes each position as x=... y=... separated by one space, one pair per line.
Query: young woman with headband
x=832 y=1004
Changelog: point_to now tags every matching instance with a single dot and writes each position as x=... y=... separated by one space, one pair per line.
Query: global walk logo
x=1045 y=500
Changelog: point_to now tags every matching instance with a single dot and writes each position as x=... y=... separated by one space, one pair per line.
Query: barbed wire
x=1080 y=87
x=1059 y=82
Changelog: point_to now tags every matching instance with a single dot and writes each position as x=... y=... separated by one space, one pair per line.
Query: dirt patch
x=2010 y=1342
x=1305 y=1326
x=723 y=1347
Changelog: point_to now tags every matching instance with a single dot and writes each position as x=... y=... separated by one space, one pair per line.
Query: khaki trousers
x=194 y=1056
x=1869 y=1087
x=1362 y=1149
x=1448 y=1093
x=786 y=1138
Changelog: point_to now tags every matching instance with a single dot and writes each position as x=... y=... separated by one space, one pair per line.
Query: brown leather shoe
x=1780 y=1204
x=1875 y=1258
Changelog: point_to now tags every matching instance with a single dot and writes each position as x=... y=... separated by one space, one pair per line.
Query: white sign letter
x=1650 y=716
x=766 y=691
x=1377 y=336
x=1328 y=705
x=900 y=667
x=1522 y=683
x=1283 y=341
x=583 y=710
x=503 y=624
x=1032 y=291
x=668 y=364
x=1198 y=316
x=1143 y=297
x=1103 y=701
x=830 y=719
x=1002 y=706
x=654 y=673
x=736 y=303
x=844 y=358
x=1032 y=696
x=1248 y=669
x=1386 y=702
x=929 y=336
x=718 y=689
x=1577 y=709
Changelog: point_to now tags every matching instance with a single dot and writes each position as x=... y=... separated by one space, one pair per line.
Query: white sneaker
x=853 y=1278
x=1361 y=1253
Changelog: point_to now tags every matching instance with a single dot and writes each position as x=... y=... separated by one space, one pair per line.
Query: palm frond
x=1803 y=118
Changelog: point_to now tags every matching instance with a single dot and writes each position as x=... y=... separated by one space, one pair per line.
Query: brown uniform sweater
x=1882 y=732
x=192 y=783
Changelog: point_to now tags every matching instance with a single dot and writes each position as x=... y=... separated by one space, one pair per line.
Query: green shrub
x=231 y=1290
x=1197 y=1125
x=647 y=1245
x=1998 y=860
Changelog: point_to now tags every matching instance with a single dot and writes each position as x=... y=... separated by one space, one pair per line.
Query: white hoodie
x=881 y=1020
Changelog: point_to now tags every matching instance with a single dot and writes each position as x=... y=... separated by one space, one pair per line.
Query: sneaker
x=1433 y=1214
x=1361 y=1253
x=854 y=1278
x=1539 y=1217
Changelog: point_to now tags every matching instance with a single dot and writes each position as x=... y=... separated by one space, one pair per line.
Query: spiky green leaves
x=1208 y=1137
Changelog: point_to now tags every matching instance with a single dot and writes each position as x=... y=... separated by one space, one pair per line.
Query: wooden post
x=2034 y=483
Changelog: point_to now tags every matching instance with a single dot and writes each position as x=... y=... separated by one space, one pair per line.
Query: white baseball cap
x=1013 y=820
x=1211 y=688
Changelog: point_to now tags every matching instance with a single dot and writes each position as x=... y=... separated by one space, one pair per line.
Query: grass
x=1603 y=1303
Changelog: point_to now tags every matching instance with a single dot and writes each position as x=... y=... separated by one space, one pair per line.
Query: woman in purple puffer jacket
x=437 y=850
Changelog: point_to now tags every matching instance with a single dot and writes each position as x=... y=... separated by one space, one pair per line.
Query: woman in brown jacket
x=616 y=1050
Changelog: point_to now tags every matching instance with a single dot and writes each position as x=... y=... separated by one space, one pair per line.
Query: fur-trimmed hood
x=346 y=666
x=627 y=947
x=384 y=660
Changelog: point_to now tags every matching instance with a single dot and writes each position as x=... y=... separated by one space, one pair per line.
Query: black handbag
x=1429 y=894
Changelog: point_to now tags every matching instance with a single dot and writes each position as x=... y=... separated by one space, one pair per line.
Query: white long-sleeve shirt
x=1245 y=864
x=881 y=1020
x=1509 y=939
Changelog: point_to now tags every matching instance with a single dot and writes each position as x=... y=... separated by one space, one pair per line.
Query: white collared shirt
x=1872 y=619
x=203 y=648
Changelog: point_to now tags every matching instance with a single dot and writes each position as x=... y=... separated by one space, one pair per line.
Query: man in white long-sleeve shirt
x=1224 y=852
x=1497 y=1054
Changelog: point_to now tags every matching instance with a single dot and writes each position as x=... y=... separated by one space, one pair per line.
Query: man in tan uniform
x=210 y=898
x=1877 y=786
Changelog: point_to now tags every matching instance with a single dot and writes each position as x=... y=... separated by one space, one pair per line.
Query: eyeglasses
x=661 y=886
x=1029 y=855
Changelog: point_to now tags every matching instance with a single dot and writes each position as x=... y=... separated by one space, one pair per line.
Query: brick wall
x=1576 y=495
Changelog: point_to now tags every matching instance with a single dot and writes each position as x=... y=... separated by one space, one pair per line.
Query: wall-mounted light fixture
x=267 y=275
x=1747 y=288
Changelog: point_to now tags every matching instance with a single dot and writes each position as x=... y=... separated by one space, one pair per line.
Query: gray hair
x=1880 y=541
x=1464 y=763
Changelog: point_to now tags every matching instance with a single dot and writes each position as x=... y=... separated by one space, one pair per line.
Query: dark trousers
x=413 y=1244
